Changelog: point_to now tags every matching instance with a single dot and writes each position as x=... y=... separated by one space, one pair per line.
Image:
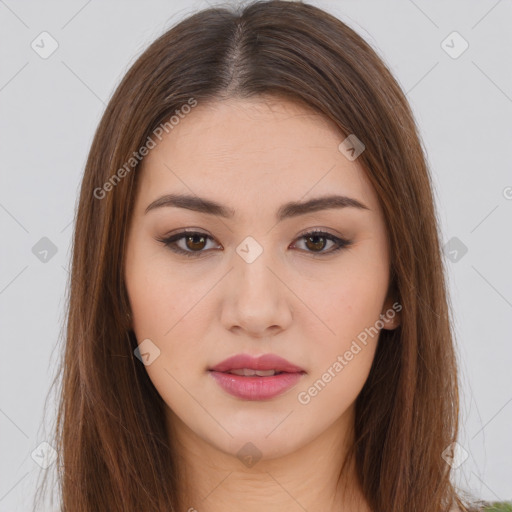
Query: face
x=256 y=277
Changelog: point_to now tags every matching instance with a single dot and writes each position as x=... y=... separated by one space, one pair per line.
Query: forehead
x=256 y=149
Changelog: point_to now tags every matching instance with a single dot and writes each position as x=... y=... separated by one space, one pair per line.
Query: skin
x=253 y=155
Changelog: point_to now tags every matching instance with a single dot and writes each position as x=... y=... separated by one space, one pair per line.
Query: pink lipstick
x=256 y=378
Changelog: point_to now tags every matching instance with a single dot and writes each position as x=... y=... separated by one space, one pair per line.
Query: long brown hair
x=110 y=435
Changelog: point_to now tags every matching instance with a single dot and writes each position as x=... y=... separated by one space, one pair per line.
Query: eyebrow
x=287 y=210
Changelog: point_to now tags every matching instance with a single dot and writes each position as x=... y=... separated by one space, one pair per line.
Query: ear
x=390 y=314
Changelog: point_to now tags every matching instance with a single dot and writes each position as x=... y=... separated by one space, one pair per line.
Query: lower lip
x=256 y=388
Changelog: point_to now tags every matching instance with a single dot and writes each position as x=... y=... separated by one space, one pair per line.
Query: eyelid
x=170 y=241
x=339 y=241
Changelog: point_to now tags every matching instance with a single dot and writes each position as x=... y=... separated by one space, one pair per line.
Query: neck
x=304 y=479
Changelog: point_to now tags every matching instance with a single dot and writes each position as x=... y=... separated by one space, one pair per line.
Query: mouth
x=249 y=372
x=254 y=365
x=249 y=378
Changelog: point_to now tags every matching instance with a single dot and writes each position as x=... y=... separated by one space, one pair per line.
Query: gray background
x=51 y=107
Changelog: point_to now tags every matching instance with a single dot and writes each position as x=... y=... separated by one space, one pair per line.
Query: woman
x=258 y=313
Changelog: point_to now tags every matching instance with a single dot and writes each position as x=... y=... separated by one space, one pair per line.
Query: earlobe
x=390 y=315
x=390 y=323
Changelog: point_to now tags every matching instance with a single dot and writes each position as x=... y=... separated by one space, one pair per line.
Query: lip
x=264 y=362
x=256 y=388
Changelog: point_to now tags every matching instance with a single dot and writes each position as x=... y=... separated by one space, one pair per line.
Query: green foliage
x=500 y=507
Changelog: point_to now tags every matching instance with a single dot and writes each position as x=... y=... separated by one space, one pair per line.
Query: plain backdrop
x=50 y=107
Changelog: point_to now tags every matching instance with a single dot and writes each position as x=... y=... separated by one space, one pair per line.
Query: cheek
x=349 y=304
x=344 y=348
x=164 y=314
x=153 y=309
x=344 y=306
x=168 y=309
x=159 y=294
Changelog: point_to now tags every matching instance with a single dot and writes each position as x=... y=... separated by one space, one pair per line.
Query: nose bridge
x=252 y=274
x=258 y=298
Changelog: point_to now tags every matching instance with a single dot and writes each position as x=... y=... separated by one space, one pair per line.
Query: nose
x=257 y=302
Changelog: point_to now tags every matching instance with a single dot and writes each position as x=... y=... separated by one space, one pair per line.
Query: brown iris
x=315 y=245
x=193 y=245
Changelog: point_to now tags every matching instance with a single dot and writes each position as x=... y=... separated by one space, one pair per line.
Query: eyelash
x=169 y=242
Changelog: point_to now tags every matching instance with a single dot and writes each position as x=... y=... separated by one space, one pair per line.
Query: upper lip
x=264 y=362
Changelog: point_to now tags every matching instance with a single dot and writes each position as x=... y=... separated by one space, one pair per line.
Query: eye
x=317 y=240
x=194 y=242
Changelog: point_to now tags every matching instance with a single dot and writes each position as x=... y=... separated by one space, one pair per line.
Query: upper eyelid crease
x=288 y=210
